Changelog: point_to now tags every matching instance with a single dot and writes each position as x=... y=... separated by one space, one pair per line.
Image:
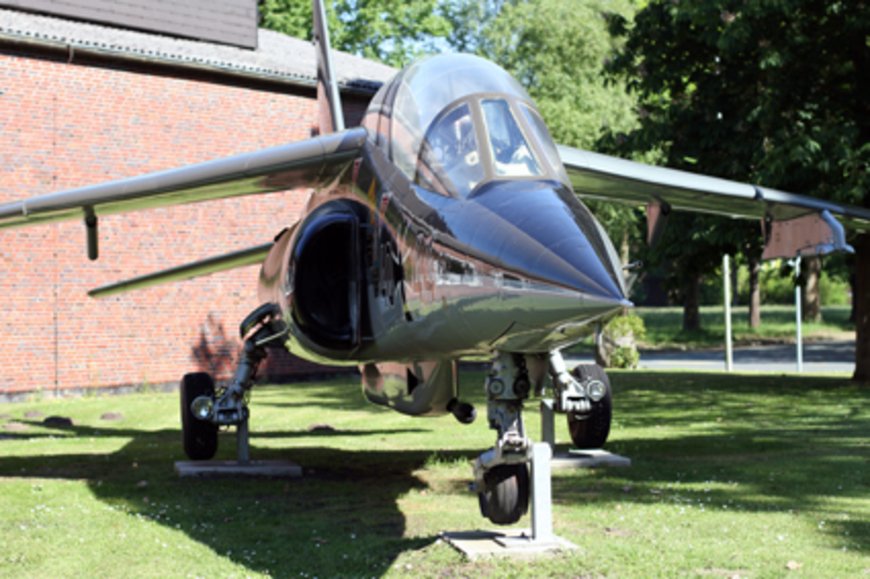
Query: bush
x=628 y=324
x=835 y=292
x=625 y=357
x=618 y=346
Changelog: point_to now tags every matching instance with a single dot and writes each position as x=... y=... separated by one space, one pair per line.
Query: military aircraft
x=448 y=225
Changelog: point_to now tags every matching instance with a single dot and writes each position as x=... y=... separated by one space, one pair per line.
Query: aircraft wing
x=308 y=163
x=797 y=223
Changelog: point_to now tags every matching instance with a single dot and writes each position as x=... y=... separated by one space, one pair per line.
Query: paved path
x=819 y=357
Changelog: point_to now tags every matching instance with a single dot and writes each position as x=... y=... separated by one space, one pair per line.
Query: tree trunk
x=735 y=297
x=861 y=299
x=852 y=317
x=754 y=292
x=625 y=249
x=812 y=306
x=691 y=303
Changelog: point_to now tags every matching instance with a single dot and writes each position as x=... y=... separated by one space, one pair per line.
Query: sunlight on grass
x=664 y=326
x=749 y=475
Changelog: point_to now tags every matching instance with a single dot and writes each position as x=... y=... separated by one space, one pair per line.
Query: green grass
x=732 y=475
x=664 y=327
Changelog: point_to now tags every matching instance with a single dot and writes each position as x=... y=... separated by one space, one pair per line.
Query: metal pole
x=548 y=428
x=798 y=315
x=542 y=494
x=729 y=347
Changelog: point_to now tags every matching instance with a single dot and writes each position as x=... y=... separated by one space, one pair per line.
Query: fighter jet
x=448 y=225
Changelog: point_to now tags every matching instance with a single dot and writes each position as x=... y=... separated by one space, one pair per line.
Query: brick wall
x=66 y=124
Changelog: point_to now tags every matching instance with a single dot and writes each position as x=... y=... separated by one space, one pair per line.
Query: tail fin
x=330 y=115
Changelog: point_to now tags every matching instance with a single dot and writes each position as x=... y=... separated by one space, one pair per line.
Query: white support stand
x=799 y=346
x=726 y=280
x=540 y=539
x=573 y=458
x=520 y=542
x=542 y=493
x=548 y=428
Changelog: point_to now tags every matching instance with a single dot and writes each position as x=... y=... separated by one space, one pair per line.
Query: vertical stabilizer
x=330 y=115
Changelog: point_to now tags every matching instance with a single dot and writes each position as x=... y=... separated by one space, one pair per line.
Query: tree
x=690 y=249
x=769 y=92
x=754 y=266
x=392 y=31
x=694 y=111
x=812 y=294
x=469 y=20
x=557 y=50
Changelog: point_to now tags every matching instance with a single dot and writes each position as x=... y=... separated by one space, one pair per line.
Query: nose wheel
x=506 y=496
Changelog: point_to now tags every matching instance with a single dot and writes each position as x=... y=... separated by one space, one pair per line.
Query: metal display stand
x=574 y=458
x=243 y=466
x=519 y=542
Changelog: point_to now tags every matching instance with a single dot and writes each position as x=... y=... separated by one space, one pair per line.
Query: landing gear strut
x=501 y=475
x=204 y=409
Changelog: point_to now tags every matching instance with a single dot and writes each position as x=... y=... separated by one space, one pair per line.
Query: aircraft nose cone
x=547 y=234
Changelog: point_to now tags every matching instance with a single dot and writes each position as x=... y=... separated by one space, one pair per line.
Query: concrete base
x=588 y=459
x=508 y=543
x=234 y=468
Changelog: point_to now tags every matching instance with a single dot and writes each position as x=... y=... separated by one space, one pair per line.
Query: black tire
x=591 y=430
x=506 y=499
x=200 y=438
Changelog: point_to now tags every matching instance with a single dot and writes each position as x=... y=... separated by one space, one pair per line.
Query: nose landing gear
x=501 y=475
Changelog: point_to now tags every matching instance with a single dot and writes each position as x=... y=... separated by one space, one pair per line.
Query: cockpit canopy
x=455 y=121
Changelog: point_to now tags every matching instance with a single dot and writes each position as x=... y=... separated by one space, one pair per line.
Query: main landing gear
x=584 y=396
x=501 y=474
x=204 y=408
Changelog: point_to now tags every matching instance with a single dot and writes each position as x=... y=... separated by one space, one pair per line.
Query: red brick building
x=82 y=103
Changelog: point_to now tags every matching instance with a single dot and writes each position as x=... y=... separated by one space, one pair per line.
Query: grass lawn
x=749 y=475
x=664 y=327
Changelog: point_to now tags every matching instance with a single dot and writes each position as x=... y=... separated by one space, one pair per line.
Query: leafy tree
x=392 y=31
x=557 y=50
x=768 y=91
x=469 y=20
x=694 y=111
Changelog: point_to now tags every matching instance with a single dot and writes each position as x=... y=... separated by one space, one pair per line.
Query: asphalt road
x=819 y=357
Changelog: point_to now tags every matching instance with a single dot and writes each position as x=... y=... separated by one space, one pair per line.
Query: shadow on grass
x=340 y=519
x=739 y=443
x=736 y=443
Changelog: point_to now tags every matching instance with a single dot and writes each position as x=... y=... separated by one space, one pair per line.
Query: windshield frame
x=474 y=103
